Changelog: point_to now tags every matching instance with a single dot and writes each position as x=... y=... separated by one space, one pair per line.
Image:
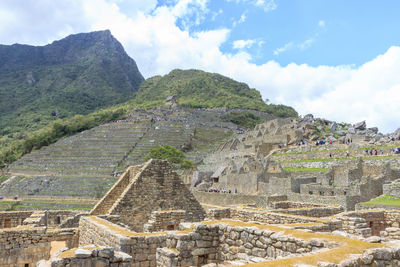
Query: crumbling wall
x=28 y=245
x=141 y=246
x=90 y=256
x=220 y=242
x=10 y=219
x=164 y=220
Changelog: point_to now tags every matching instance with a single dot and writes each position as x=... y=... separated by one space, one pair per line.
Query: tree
x=171 y=154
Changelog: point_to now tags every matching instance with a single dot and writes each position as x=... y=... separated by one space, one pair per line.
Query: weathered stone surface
x=82 y=253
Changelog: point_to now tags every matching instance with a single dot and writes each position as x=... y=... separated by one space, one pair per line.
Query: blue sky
x=337 y=59
x=315 y=32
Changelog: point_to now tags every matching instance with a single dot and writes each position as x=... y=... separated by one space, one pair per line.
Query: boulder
x=333 y=126
x=360 y=126
x=351 y=130
x=373 y=129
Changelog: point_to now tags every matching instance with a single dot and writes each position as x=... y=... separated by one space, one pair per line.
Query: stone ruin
x=247 y=165
x=171 y=228
x=146 y=188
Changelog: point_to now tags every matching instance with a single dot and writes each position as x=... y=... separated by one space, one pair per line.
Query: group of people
x=224 y=191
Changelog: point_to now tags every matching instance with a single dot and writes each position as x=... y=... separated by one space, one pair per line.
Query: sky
x=336 y=59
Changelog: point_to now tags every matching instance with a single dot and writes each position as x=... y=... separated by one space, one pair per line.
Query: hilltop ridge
x=75 y=75
x=196 y=88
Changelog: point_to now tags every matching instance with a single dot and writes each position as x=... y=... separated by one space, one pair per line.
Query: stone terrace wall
x=141 y=246
x=312 y=212
x=156 y=187
x=293 y=205
x=10 y=219
x=392 y=189
x=221 y=199
x=269 y=217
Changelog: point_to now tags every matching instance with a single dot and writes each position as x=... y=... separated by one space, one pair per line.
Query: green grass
x=309 y=152
x=338 y=159
x=301 y=169
x=39 y=207
x=199 y=89
x=3 y=178
x=317 y=160
x=385 y=200
x=378 y=147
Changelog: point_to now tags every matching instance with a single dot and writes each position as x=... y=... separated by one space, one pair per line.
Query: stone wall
x=371 y=257
x=164 y=220
x=392 y=218
x=90 y=256
x=269 y=217
x=293 y=205
x=315 y=212
x=221 y=199
x=141 y=246
x=10 y=219
x=57 y=217
x=105 y=204
x=348 y=202
x=220 y=242
x=27 y=245
x=367 y=222
x=392 y=189
x=218 y=214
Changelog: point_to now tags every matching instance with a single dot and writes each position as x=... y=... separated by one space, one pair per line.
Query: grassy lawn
x=306 y=169
x=317 y=160
x=386 y=200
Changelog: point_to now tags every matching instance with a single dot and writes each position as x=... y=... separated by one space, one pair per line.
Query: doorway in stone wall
x=202 y=260
x=56 y=246
x=170 y=227
x=7 y=223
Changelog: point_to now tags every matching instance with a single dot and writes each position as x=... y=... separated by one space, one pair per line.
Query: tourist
x=347 y=153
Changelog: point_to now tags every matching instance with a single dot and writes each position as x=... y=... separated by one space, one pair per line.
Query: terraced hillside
x=320 y=158
x=81 y=165
x=88 y=164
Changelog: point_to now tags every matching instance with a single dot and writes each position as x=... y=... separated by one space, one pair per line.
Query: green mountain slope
x=196 y=88
x=76 y=75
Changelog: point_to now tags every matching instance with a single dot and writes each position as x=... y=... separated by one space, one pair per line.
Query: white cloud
x=153 y=39
x=284 y=48
x=306 y=44
x=267 y=5
x=240 y=44
x=243 y=17
x=321 y=23
x=216 y=14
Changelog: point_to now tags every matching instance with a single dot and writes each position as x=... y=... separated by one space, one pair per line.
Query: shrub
x=171 y=154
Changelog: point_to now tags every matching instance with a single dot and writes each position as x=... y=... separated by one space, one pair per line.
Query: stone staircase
x=105 y=204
